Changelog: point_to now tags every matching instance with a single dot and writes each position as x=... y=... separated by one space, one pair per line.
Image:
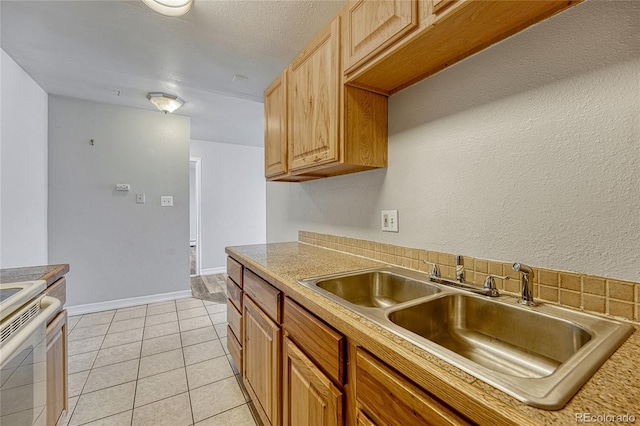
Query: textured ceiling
x=118 y=51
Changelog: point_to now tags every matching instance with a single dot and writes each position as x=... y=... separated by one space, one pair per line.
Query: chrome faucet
x=526 y=275
x=435 y=271
x=489 y=288
x=459 y=269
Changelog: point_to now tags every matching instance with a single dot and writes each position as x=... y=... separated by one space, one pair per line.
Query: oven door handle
x=49 y=306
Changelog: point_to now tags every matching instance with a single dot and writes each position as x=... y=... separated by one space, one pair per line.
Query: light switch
x=390 y=220
x=166 y=201
x=122 y=187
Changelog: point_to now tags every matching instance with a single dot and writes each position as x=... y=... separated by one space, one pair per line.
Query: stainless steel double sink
x=540 y=355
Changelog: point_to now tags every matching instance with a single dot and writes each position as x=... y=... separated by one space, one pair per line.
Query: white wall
x=23 y=169
x=528 y=151
x=233 y=198
x=193 y=212
x=118 y=249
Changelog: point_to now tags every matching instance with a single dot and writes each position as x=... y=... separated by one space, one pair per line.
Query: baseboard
x=211 y=271
x=90 y=308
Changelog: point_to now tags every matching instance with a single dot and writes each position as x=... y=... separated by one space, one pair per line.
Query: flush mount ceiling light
x=169 y=7
x=165 y=103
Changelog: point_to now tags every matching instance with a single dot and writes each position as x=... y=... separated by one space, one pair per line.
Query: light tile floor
x=159 y=364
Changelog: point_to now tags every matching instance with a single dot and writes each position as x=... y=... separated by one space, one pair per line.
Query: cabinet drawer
x=235 y=349
x=267 y=297
x=234 y=319
x=234 y=293
x=234 y=271
x=389 y=398
x=319 y=341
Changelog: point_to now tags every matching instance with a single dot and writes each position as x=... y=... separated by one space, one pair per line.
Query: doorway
x=195 y=238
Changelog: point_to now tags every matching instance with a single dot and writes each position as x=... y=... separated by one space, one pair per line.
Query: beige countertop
x=613 y=390
x=49 y=273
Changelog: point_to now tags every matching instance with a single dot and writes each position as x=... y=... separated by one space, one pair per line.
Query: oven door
x=23 y=364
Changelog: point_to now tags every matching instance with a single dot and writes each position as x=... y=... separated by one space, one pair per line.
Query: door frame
x=198 y=191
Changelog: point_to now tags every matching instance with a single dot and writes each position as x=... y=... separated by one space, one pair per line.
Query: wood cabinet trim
x=322 y=343
x=264 y=295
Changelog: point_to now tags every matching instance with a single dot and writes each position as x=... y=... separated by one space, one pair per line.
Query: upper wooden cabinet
x=448 y=31
x=332 y=129
x=327 y=114
x=371 y=26
x=315 y=100
x=275 y=127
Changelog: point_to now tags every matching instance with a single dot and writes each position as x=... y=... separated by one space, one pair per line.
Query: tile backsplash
x=580 y=291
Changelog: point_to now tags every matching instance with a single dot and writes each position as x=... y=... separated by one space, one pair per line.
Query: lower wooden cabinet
x=301 y=370
x=56 y=368
x=309 y=397
x=389 y=398
x=262 y=361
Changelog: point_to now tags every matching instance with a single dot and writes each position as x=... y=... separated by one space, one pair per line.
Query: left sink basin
x=380 y=288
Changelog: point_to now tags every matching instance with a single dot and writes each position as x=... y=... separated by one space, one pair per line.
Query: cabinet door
x=56 y=368
x=310 y=398
x=314 y=96
x=373 y=25
x=275 y=127
x=262 y=360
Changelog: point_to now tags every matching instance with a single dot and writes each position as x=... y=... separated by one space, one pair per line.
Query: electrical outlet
x=140 y=198
x=166 y=201
x=122 y=187
x=390 y=220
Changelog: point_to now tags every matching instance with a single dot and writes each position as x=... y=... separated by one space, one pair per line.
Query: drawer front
x=234 y=293
x=267 y=297
x=234 y=319
x=389 y=398
x=319 y=341
x=234 y=271
x=235 y=349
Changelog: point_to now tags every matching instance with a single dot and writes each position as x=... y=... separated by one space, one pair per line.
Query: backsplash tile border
x=600 y=295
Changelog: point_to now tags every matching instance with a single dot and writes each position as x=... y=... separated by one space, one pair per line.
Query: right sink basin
x=498 y=336
x=540 y=355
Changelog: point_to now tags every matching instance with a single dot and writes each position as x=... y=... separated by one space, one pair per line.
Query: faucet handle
x=490 y=283
x=435 y=271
